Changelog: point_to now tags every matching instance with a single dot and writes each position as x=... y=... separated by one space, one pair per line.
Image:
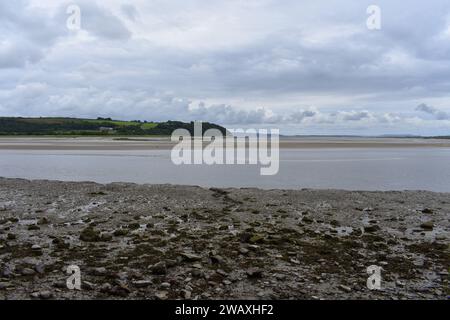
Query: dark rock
x=11 y=236
x=134 y=226
x=190 y=257
x=373 y=228
x=120 y=233
x=159 y=268
x=90 y=235
x=106 y=237
x=142 y=283
x=429 y=225
x=254 y=273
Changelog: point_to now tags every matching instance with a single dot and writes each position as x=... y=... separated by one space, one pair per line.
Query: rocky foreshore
x=176 y=242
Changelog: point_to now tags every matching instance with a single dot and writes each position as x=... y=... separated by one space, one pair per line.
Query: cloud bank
x=310 y=68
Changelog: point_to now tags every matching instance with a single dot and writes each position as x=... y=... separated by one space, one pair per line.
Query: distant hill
x=94 y=127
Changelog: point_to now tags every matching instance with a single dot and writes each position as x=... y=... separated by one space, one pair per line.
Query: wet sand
x=177 y=242
x=164 y=143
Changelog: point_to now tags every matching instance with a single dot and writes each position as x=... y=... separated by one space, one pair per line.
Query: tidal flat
x=134 y=241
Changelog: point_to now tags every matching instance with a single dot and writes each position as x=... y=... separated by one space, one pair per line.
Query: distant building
x=106 y=129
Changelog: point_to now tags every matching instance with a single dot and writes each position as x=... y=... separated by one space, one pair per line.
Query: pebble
x=142 y=283
x=99 y=271
x=254 y=273
x=4 y=285
x=159 y=268
x=162 y=295
x=28 y=272
x=190 y=257
x=187 y=294
x=243 y=250
x=345 y=288
x=45 y=295
x=429 y=225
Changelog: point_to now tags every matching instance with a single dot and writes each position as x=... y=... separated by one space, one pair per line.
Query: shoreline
x=160 y=143
x=183 y=242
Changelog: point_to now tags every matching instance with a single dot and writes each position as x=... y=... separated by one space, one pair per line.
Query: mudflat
x=162 y=143
x=168 y=242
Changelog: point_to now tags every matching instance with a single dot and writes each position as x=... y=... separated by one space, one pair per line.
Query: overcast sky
x=307 y=67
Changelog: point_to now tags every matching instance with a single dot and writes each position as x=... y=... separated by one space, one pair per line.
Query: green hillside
x=93 y=127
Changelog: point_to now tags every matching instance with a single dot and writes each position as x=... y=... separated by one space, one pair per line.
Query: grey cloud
x=436 y=113
x=101 y=22
x=299 y=116
x=130 y=11
x=356 y=116
x=26 y=34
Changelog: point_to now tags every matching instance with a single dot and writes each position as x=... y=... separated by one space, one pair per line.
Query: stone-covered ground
x=175 y=242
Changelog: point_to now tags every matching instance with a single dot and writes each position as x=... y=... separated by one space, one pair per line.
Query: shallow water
x=354 y=169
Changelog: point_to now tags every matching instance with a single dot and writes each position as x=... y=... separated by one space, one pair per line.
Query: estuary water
x=324 y=168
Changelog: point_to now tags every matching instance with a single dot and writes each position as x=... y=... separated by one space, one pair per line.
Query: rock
x=440 y=237
x=254 y=273
x=40 y=268
x=60 y=285
x=372 y=228
x=121 y=289
x=197 y=273
x=86 y=285
x=6 y=272
x=33 y=227
x=171 y=263
x=45 y=295
x=36 y=247
x=217 y=259
x=134 y=226
x=427 y=211
x=307 y=220
x=280 y=277
x=165 y=285
x=335 y=223
x=256 y=238
x=162 y=295
x=11 y=236
x=142 y=283
x=243 y=250
x=159 y=268
x=190 y=257
x=400 y=283
x=27 y=272
x=99 y=271
x=105 y=288
x=43 y=221
x=90 y=235
x=187 y=294
x=222 y=273
x=429 y=225
x=345 y=288
x=120 y=233
x=4 y=285
x=106 y=237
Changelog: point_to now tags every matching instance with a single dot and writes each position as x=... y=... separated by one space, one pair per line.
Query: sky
x=305 y=67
